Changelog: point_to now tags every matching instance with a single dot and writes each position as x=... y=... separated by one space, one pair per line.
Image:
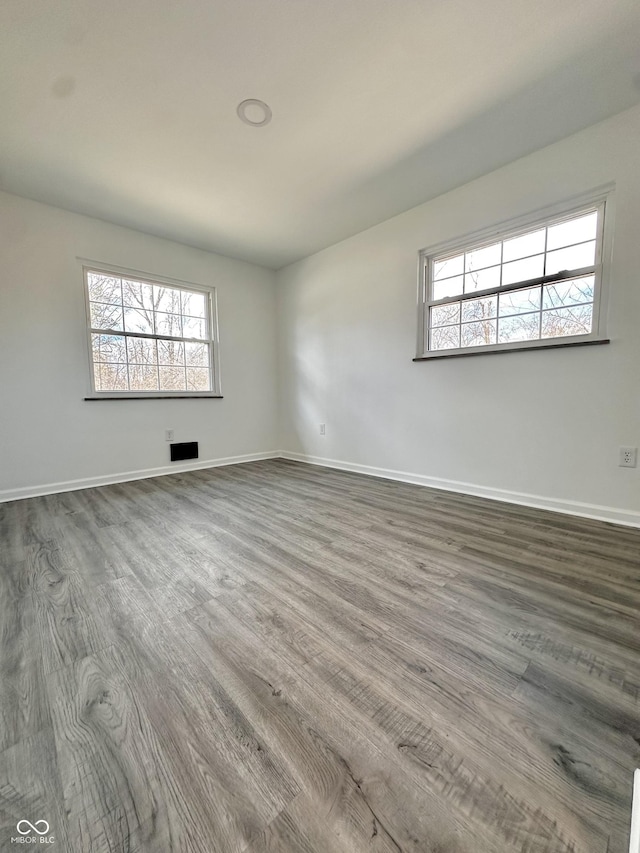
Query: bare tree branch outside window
x=147 y=337
x=535 y=285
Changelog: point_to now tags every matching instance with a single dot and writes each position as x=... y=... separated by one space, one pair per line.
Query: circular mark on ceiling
x=254 y=112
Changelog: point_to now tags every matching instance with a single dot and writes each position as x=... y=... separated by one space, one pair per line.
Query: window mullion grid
x=126 y=351
x=598 y=268
x=514 y=260
x=546 y=244
x=122 y=334
x=540 y=282
x=468 y=297
x=428 y=293
x=155 y=329
x=156 y=338
x=567 y=275
x=464 y=283
x=498 y=294
x=540 y=312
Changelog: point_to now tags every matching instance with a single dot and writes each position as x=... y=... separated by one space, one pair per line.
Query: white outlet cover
x=628 y=457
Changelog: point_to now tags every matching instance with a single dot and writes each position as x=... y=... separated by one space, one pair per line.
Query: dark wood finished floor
x=277 y=657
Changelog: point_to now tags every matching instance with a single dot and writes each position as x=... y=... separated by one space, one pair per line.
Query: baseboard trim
x=583 y=510
x=634 y=841
x=124 y=477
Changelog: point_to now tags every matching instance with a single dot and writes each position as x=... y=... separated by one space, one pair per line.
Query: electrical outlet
x=168 y=435
x=323 y=429
x=628 y=457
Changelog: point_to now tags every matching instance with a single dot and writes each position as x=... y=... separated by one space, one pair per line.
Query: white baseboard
x=634 y=840
x=108 y=479
x=601 y=513
x=615 y=515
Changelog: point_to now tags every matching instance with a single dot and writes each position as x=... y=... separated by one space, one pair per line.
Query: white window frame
x=151 y=278
x=600 y=199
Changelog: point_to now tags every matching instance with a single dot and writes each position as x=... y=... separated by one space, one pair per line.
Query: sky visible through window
x=553 y=309
x=123 y=312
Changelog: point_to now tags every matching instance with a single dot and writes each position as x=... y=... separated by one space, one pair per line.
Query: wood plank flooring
x=278 y=657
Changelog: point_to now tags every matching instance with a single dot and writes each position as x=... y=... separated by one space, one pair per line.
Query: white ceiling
x=127 y=110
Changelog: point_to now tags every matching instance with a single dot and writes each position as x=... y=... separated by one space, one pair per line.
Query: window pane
x=193 y=304
x=574 y=231
x=172 y=379
x=482 y=280
x=561 y=322
x=522 y=247
x=194 y=327
x=481 y=258
x=197 y=355
x=519 y=301
x=198 y=379
x=138 y=320
x=448 y=287
x=493 y=297
x=572 y=292
x=111 y=377
x=105 y=316
x=169 y=324
x=109 y=348
x=104 y=288
x=137 y=295
x=445 y=315
x=142 y=351
x=138 y=329
x=523 y=270
x=573 y=258
x=448 y=267
x=447 y=337
x=170 y=353
x=523 y=327
x=479 y=334
x=143 y=378
x=479 y=309
x=166 y=299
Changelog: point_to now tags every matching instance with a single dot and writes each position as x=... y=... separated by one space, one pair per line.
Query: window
x=531 y=286
x=149 y=338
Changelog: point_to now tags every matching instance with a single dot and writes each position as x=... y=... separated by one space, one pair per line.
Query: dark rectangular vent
x=184 y=450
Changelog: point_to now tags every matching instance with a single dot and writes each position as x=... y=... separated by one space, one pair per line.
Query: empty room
x=319 y=426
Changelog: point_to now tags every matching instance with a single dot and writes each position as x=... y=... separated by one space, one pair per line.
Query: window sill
x=153 y=397
x=526 y=346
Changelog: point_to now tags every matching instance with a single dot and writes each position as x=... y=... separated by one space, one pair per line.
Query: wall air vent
x=184 y=450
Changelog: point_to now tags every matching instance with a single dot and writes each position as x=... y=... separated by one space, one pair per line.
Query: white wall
x=48 y=434
x=547 y=424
